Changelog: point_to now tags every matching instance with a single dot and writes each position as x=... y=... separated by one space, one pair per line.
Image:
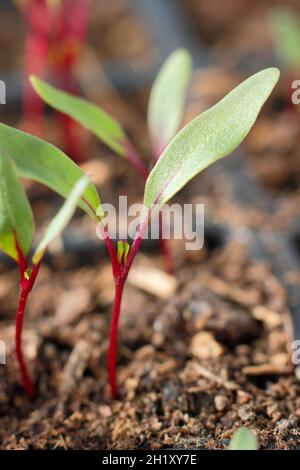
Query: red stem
x=26 y=286
x=113 y=339
x=36 y=52
x=25 y=377
x=135 y=160
x=120 y=281
x=27 y=281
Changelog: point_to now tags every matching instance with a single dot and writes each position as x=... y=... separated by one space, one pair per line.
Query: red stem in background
x=141 y=168
x=36 y=53
x=69 y=39
x=60 y=33
x=135 y=160
x=165 y=249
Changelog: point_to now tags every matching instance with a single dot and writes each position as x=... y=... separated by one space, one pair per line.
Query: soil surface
x=197 y=358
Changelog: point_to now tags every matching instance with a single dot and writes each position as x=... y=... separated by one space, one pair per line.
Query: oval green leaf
x=46 y=164
x=212 y=135
x=167 y=99
x=16 y=220
x=89 y=115
x=244 y=439
x=62 y=218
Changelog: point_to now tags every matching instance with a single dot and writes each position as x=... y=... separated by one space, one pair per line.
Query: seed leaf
x=212 y=135
x=62 y=218
x=167 y=98
x=120 y=251
x=87 y=114
x=46 y=164
x=16 y=220
x=286 y=29
x=244 y=439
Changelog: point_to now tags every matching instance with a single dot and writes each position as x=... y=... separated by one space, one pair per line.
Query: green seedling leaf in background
x=244 y=439
x=167 y=99
x=209 y=137
x=62 y=218
x=16 y=220
x=42 y=162
x=286 y=30
x=89 y=115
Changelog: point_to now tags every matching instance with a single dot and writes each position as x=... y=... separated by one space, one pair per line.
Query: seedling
x=56 y=34
x=165 y=113
x=211 y=136
x=16 y=236
x=244 y=439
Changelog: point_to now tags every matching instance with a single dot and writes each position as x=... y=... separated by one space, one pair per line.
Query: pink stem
x=120 y=281
x=113 y=338
x=25 y=289
x=135 y=159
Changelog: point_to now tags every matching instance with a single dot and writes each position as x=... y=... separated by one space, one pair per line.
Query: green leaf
x=120 y=251
x=46 y=164
x=286 y=30
x=243 y=439
x=126 y=248
x=167 y=98
x=16 y=220
x=212 y=135
x=62 y=218
x=87 y=114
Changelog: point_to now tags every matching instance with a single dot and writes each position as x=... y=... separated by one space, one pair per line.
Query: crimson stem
x=120 y=278
x=26 y=284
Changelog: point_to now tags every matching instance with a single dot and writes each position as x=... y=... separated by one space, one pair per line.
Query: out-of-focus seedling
x=244 y=439
x=285 y=25
x=16 y=236
x=56 y=31
x=211 y=136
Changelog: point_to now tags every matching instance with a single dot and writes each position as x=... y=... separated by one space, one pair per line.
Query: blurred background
x=110 y=53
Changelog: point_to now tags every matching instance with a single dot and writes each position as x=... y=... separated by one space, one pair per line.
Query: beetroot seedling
x=211 y=136
x=165 y=113
x=16 y=236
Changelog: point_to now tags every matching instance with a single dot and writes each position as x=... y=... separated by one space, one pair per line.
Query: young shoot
x=165 y=114
x=16 y=236
x=209 y=137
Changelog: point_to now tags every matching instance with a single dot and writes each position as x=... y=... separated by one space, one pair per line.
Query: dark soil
x=192 y=367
